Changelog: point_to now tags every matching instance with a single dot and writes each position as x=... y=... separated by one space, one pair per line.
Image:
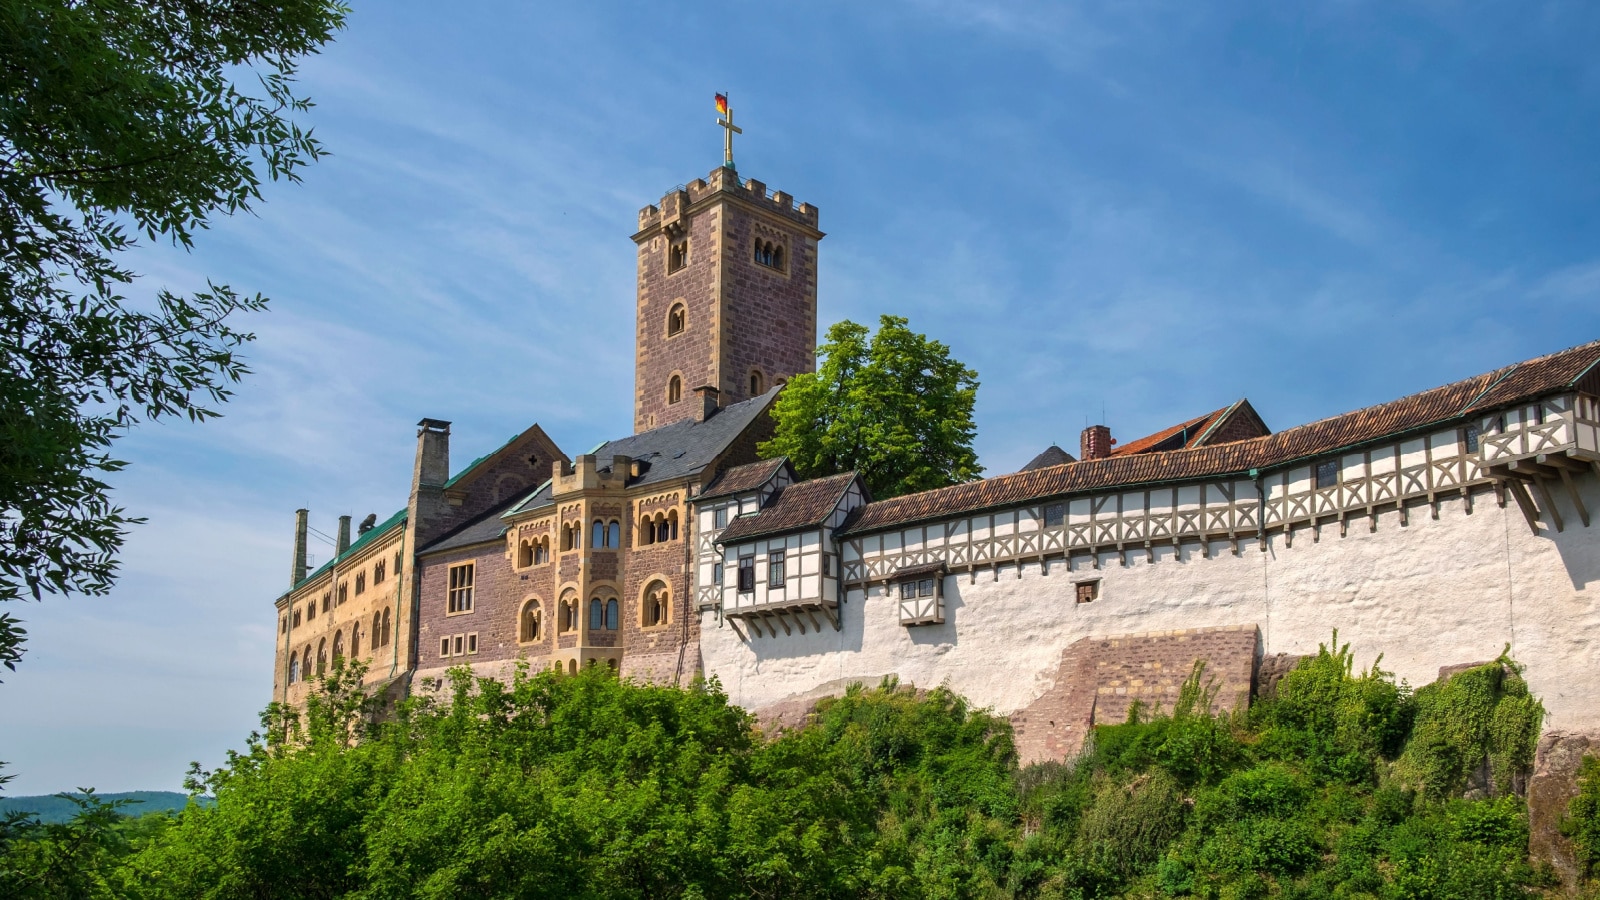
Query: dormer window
x=677 y=317
x=678 y=256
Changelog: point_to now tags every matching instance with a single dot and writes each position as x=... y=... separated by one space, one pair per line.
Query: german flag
x=722 y=104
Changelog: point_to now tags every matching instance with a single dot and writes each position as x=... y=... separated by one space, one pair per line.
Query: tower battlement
x=723 y=180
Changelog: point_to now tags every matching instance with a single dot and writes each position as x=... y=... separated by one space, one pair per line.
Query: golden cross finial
x=726 y=121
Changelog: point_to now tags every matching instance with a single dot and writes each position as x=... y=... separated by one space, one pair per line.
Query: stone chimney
x=428 y=512
x=298 y=573
x=344 y=536
x=1095 y=443
x=709 y=401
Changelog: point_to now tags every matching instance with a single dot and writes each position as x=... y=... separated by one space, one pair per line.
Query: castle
x=1437 y=529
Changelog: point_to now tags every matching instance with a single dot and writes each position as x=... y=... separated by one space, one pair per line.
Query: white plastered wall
x=1424 y=595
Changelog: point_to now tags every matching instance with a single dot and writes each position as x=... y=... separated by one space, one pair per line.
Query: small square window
x=1054 y=514
x=460 y=647
x=472 y=642
x=444 y=646
x=1327 y=474
x=925 y=587
x=908 y=590
x=1087 y=591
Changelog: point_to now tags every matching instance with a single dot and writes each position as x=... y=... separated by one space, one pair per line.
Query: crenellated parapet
x=722 y=183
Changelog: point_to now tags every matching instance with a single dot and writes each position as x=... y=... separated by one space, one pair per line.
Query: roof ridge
x=1218 y=418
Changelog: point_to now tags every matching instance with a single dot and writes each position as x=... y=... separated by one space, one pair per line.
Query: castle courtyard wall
x=1430 y=593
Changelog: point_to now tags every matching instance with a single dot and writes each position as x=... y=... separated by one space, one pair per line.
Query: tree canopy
x=897 y=409
x=122 y=120
x=1342 y=784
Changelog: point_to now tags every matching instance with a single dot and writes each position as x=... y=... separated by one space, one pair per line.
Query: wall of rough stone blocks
x=1100 y=678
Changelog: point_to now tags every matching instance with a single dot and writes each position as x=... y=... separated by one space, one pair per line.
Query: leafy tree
x=122 y=118
x=897 y=409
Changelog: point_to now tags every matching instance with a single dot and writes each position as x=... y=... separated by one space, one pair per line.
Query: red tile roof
x=1196 y=427
x=1512 y=384
x=743 y=478
x=803 y=505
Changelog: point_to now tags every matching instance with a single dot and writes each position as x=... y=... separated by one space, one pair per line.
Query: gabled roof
x=484 y=528
x=1575 y=367
x=1234 y=422
x=686 y=447
x=1051 y=456
x=747 y=477
x=804 y=505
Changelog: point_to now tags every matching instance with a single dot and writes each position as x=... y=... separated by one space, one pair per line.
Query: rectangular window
x=908 y=590
x=444 y=646
x=775 y=576
x=1327 y=474
x=747 y=574
x=1088 y=591
x=827 y=565
x=460 y=646
x=1472 y=438
x=720 y=517
x=1054 y=514
x=716 y=574
x=460 y=599
x=925 y=587
x=472 y=642
x=284 y=625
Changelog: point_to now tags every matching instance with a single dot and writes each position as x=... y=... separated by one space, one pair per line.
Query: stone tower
x=727 y=296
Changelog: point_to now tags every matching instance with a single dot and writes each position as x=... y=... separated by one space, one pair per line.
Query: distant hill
x=50 y=808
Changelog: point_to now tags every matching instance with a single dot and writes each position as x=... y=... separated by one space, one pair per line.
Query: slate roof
x=803 y=505
x=486 y=527
x=1578 y=366
x=681 y=448
x=740 y=479
x=1052 y=456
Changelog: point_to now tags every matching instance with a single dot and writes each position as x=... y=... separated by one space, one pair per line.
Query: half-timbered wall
x=1412 y=552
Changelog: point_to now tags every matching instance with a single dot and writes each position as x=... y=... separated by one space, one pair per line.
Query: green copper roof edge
x=372 y=534
x=517 y=507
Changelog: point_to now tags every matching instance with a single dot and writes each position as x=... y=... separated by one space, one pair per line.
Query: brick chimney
x=298 y=573
x=709 y=401
x=1095 y=443
x=344 y=536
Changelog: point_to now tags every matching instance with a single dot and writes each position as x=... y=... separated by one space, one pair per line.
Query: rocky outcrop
x=1550 y=790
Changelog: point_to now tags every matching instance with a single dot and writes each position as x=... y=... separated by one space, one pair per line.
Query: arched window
x=305 y=663
x=611 y=664
x=378 y=572
x=294 y=668
x=386 y=634
x=647 y=531
x=524 y=554
x=598 y=538
x=322 y=656
x=674 y=389
x=355 y=640
x=397 y=564
x=678 y=256
x=377 y=630
x=344 y=594
x=566 y=537
x=758 y=385
x=597 y=613
x=777 y=257
x=614 y=534
x=296 y=619
x=529 y=622
x=677 y=317
x=541 y=550
x=611 y=615
x=338 y=646
x=361 y=585
x=572 y=667
x=672 y=525
x=567 y=613
x=653 y=611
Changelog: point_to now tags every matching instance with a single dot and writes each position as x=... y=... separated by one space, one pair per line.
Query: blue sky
x=1147 y=208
